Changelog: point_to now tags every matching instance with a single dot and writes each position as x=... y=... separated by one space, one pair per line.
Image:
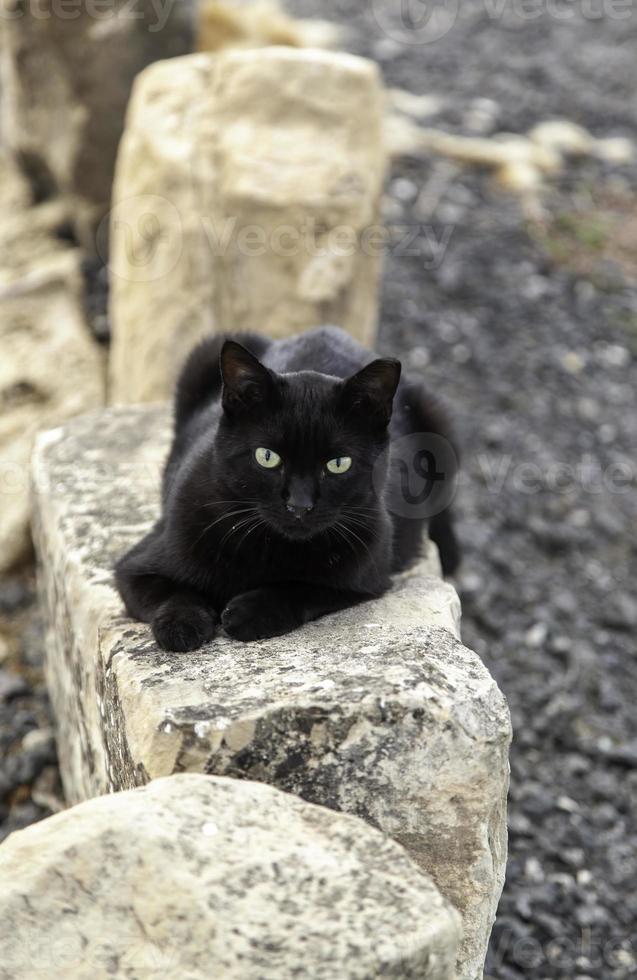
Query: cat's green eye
x=267 y=458
x=340 y=464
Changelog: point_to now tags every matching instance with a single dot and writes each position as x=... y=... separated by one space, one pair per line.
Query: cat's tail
x=443 y=534
x=429 y=414
x=200 y=380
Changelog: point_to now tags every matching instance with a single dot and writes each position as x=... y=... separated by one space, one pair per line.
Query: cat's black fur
x=262 y=551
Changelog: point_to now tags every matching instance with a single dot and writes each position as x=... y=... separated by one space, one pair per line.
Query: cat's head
x=304 y=447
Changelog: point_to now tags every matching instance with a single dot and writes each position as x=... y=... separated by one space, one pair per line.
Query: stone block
x=246 y=188
x=199 y=876
x=378 y=711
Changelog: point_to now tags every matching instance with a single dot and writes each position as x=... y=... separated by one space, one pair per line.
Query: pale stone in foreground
x=247 y=187
x=201 y=877
x=378 y=711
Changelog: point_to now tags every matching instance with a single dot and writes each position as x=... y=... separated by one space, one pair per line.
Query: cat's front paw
x=179 y=627
x=257 y=615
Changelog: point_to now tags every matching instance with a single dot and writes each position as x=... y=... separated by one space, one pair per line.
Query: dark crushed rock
x=11 y=685
x=29 y=780
x=538 y=356
x=15 y=594
x=96 y=298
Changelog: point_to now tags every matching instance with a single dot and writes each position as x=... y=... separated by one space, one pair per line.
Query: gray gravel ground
x=531 y=331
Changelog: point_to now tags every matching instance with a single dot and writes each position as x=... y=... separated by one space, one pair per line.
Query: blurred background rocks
x=66 y=78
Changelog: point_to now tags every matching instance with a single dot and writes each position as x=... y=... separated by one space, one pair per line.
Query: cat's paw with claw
x=257 y=615
x=180 y=627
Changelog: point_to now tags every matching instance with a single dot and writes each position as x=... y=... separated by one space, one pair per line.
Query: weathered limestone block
x=200 y=877
x=378 y=711
x=246 y=188
x=50 y=367
x=67 y=70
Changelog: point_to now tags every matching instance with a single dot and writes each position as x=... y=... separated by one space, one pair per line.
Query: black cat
x=287 y=494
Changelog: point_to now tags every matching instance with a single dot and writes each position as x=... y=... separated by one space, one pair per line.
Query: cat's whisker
x=227 y=515
x=237 y=527
x=365 y=545
x=340 y=530
x=259 y=523
x=370 y=519
x=231 y=513
x=360 y=510
x=361 y=521
x=215 y=503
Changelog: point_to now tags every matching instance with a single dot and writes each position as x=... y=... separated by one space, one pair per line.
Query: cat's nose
x=298 y=510
x=299 y=499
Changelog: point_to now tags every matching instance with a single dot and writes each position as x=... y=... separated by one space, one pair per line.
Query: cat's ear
x=246 y=382
x=370 y=392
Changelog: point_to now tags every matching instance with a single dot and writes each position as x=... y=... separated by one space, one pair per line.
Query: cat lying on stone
x=289 y=489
